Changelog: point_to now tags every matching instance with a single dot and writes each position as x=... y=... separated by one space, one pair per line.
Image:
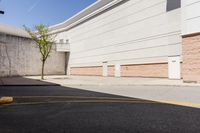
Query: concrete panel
x=190 y=16
x=20 y=56
x=135 y=32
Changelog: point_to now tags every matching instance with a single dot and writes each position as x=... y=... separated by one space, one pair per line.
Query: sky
x=34 y=12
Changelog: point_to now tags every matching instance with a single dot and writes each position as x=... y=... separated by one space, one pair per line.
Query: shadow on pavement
x=57 y=109
x=21 y=81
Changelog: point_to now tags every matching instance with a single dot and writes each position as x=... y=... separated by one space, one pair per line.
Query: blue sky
x=33 y=12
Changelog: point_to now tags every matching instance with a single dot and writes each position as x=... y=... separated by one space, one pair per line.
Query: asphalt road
x=56 y=109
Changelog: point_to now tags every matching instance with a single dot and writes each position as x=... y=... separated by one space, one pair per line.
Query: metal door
x=117 y=70
x=174 y=67
x=105 y=69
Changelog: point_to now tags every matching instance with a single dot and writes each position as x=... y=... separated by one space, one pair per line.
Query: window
x=173 y=4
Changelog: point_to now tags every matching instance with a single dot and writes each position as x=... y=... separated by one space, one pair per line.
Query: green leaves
x=42 y=39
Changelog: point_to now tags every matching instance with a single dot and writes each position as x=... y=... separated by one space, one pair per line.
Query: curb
x=5 y=100
x=190 y=104
x=175 y=85
x=31 y=85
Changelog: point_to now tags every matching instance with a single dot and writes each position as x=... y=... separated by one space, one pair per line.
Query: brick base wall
x=111 y=71
x=191 y=58
x=87 y=71
x=145 y=70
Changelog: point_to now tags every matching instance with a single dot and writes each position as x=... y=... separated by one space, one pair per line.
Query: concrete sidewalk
x=110 y=81
x=177 y=95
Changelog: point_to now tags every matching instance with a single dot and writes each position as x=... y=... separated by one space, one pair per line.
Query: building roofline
x=92 y=10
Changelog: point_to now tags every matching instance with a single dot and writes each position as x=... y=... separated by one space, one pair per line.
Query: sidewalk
x=110 y=81
x=92 y=80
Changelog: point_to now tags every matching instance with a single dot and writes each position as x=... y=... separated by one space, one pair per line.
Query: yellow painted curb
x=181 y=103
x=5 y=100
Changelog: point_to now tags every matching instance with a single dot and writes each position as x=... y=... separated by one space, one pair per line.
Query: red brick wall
x=87 y=71
x=111 y=71
x=145 y=70
x=191 y=58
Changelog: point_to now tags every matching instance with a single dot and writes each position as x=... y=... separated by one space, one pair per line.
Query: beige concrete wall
x=190 y=16
x=132 y=33
x=135 y=32
x=20 y=56
x=146 y=70
x=191 y=58
x=87 y=71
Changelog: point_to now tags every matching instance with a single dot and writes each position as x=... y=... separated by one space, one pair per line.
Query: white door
x=174 y=67
x=105 y=69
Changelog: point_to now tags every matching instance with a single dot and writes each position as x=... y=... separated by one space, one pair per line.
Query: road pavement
x=57 y=109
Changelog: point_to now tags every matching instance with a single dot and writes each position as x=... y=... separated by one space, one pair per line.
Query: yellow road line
x=180 y=103
x=78 y=97
x=80 y=101
x=100 y=100
x=111 y=101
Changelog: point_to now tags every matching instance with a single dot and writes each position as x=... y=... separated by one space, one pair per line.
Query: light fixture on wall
x=1 y=12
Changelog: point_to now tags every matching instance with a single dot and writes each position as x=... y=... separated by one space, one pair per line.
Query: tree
x=44 y=41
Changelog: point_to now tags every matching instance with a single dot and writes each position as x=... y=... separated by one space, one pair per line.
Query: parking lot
x=57 y=109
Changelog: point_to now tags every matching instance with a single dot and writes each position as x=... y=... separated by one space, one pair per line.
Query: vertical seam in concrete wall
x=9 y=60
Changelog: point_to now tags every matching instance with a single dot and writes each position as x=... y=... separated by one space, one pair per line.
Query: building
x=143 y=38
x=133 y=38
x=128 y=38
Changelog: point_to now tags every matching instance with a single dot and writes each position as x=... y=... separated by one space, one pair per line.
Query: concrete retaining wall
x=20 y=56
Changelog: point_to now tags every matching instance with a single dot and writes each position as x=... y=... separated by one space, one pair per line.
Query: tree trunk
x=42 y=74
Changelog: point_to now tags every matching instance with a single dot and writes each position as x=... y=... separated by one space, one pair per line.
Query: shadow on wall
x=20 y=56
x=51 y=108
